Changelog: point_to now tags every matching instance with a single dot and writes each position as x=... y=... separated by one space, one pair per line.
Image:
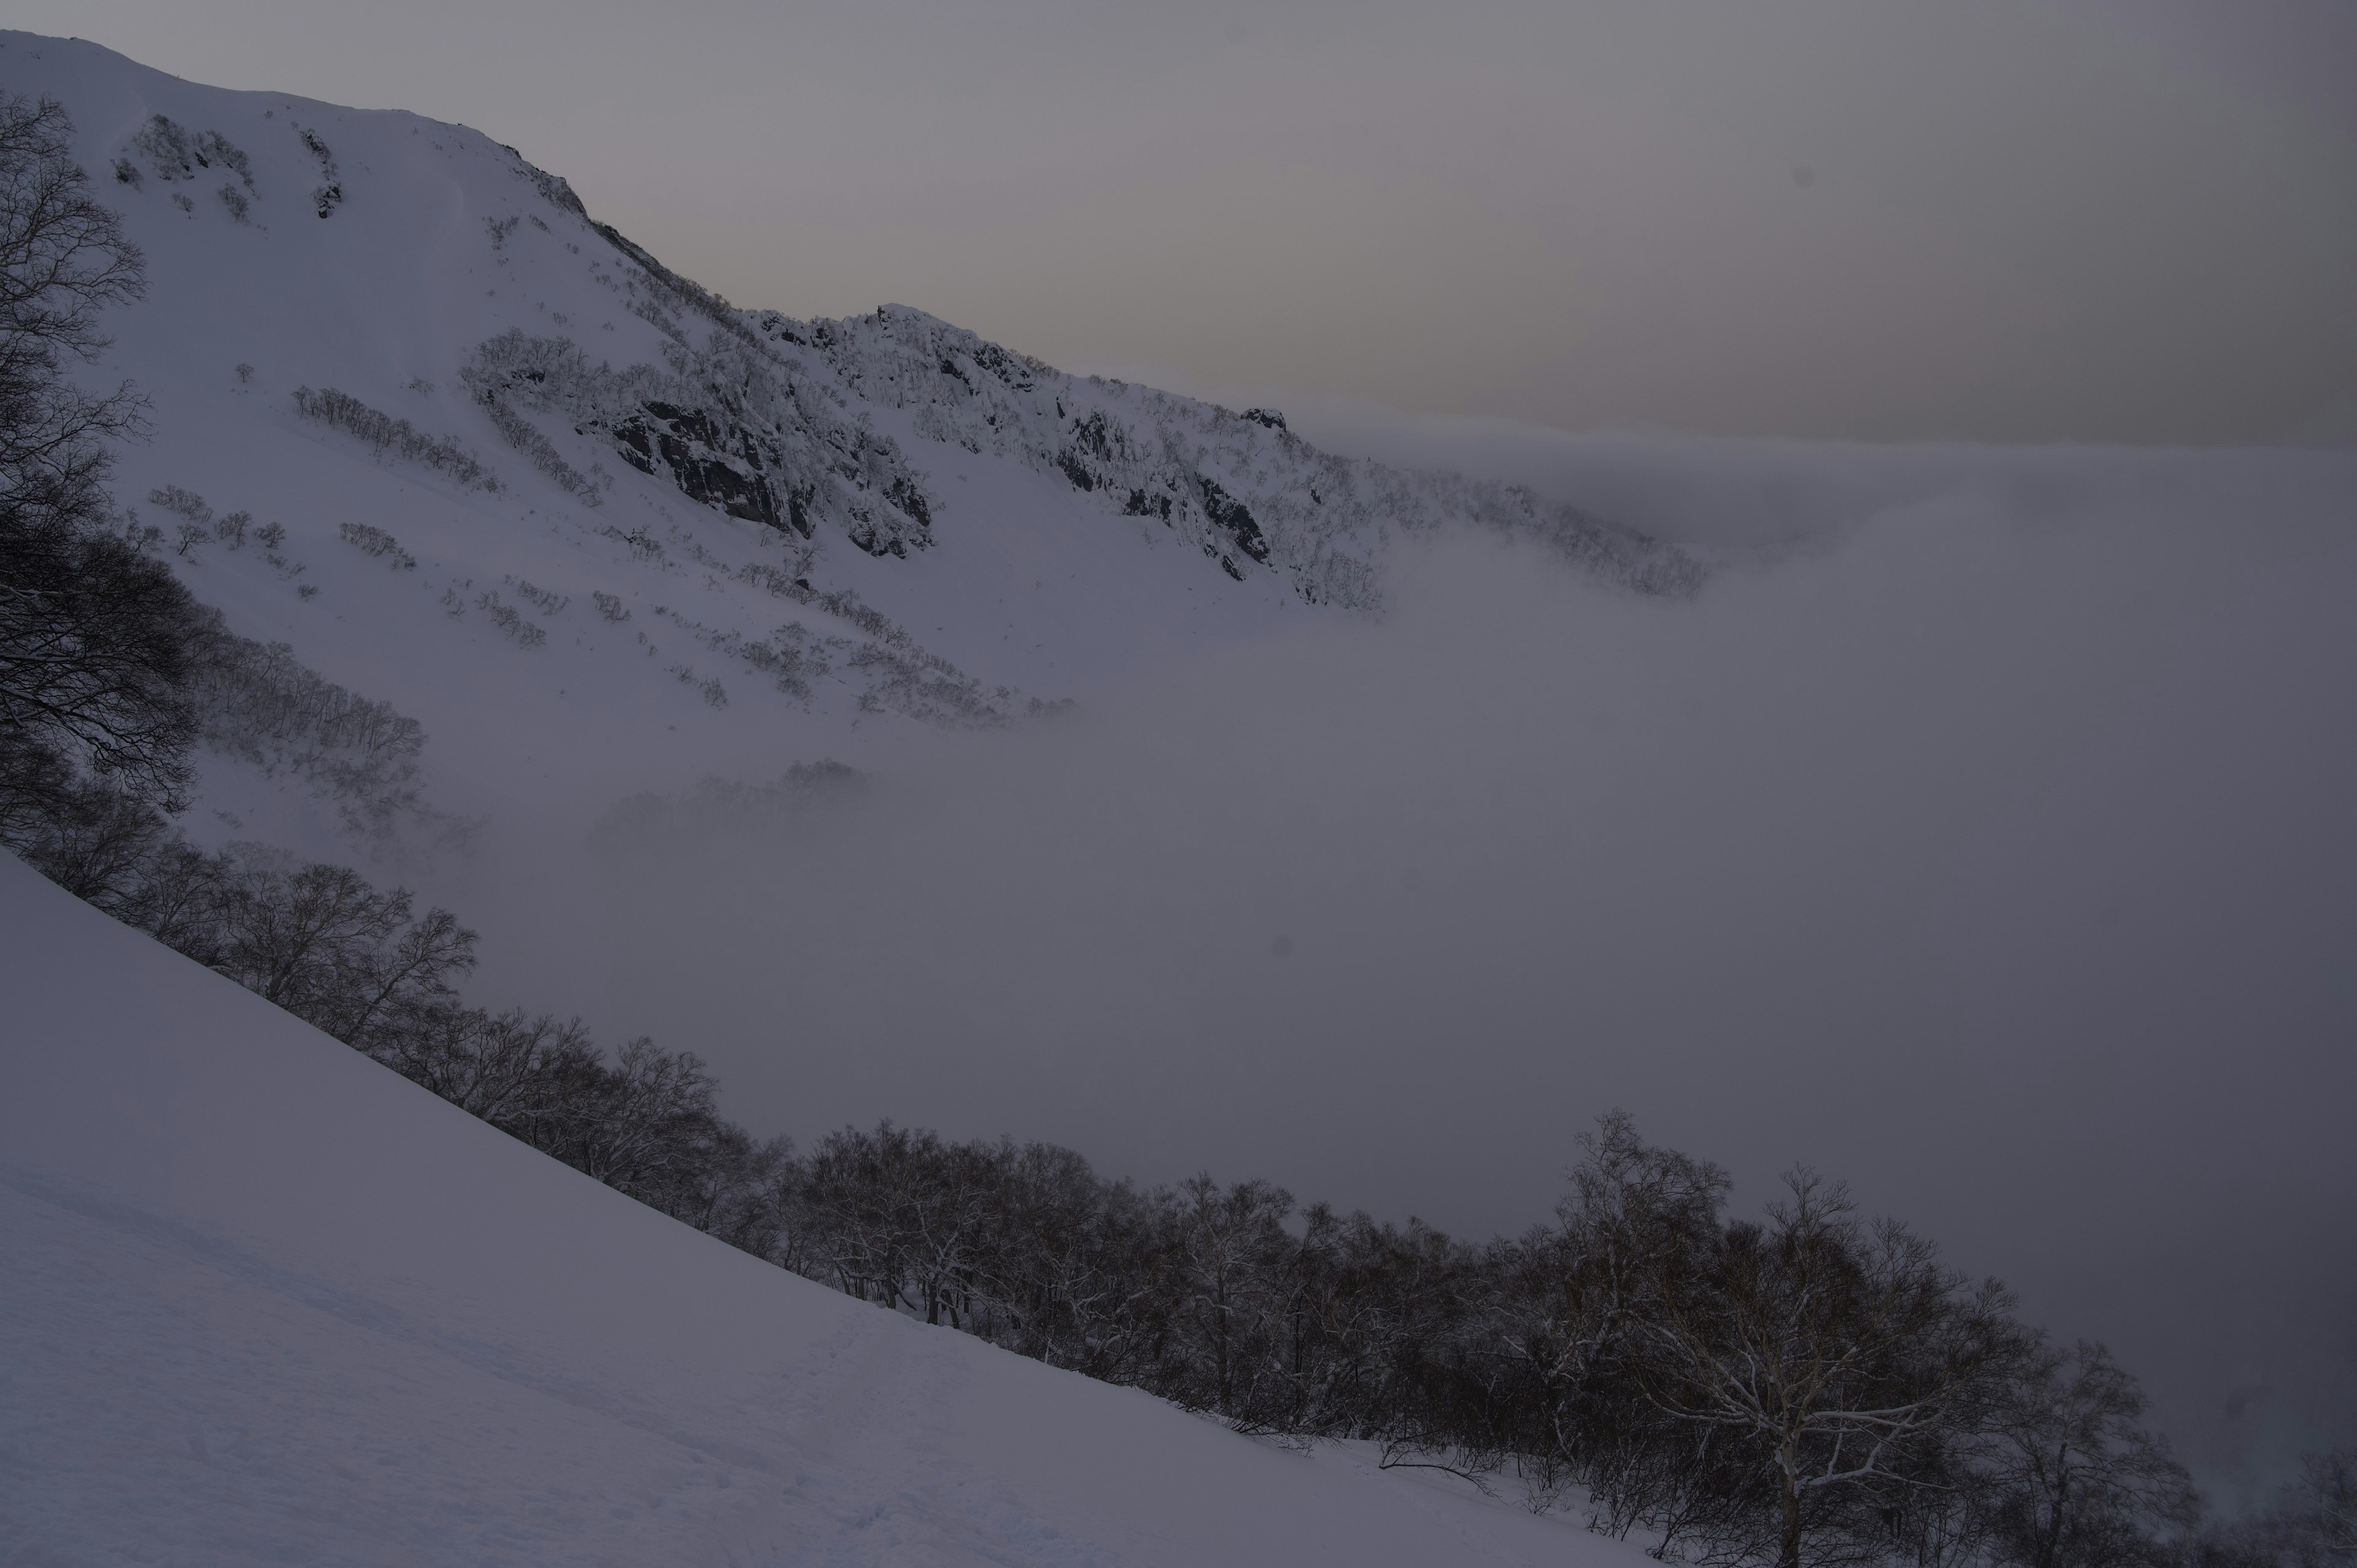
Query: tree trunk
x=2051 y=1548
x=1788 y=1543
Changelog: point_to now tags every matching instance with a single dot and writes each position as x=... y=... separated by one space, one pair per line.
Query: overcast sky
x=1858 y=219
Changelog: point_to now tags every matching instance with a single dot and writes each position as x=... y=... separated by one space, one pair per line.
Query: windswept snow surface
x=266 y=1301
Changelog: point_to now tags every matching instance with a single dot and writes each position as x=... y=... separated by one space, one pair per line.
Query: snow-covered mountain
x=2012 y=805
x=480 y=469
x=267 y=1302
x=419 y=416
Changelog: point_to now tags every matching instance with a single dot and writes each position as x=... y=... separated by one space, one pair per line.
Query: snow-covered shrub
x=526 y=438
x=174 y=154
x=546 y=601
x=187 y=504
x=509 y=620
x=715 y=694
x=260 y=704
x=234 y=200
x=230 y=530
x=643 y=546
x=610 y=607
x=377 y=543
x=329 y=194
x=386 y=433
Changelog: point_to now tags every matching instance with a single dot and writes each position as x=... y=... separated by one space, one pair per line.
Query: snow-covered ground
x=266 y=1301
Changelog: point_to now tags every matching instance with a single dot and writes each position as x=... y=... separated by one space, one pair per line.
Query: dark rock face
x=1096 y=443
x=1230 y=517
x=1267 y=416
x=905 y=493
x=696 y=450
x=1141 y=504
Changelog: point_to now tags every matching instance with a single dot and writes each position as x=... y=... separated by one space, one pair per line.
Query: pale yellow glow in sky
x=2069 y=220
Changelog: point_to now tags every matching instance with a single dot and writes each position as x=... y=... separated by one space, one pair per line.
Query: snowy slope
x=817 y=531
x=267 y=1302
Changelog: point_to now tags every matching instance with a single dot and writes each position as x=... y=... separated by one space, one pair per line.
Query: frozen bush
x=548 y=603
x=188 y=504
x=260 y=705
x=386 y=433
x=511 y=621
x=376 y=541
x=329 y=194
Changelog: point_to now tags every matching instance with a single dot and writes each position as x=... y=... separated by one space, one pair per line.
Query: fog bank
x=1993 y=852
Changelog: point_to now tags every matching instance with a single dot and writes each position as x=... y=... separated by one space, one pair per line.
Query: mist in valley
x=1983 y=841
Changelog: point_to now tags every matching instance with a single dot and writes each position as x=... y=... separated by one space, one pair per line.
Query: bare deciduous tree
x=1830 y=1348
x=2082 y=1483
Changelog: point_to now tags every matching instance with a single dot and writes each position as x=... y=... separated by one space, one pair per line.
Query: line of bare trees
x=1802 y=1389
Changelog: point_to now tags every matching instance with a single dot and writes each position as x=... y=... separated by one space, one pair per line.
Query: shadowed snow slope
x=267 y=1302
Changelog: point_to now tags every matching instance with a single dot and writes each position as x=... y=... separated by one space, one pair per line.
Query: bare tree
x=97 y=643
x=2316 y=1524
x=1830 y=1349
x=1225 y=1243
x=63 y=258
x=2082 y=1483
